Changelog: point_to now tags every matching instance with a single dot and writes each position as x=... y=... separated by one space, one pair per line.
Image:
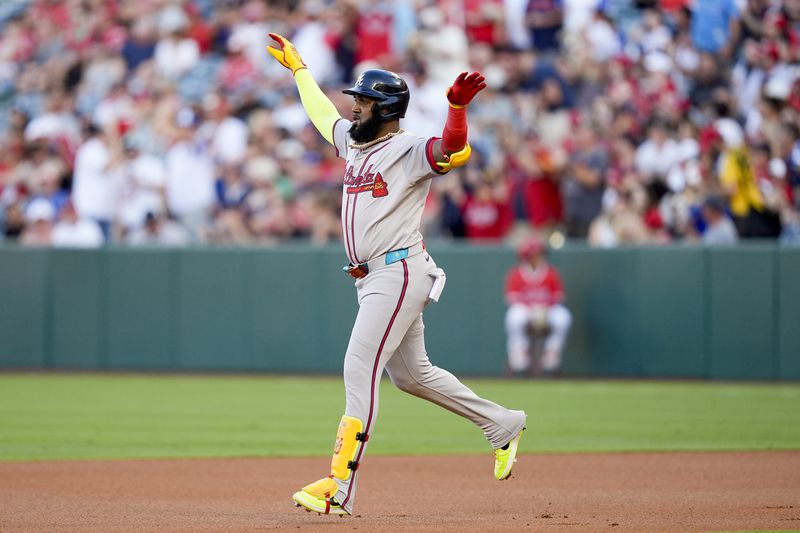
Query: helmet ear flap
x=392 y=107
x=389 y=89
x=387 y=113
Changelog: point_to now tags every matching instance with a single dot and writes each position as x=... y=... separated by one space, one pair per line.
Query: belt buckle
x=356 y=271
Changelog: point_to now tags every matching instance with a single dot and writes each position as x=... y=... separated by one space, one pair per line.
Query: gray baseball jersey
x=384 y=192
x=383 y=196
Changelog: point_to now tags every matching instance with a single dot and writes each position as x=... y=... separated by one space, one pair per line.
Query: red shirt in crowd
x=530 y=286
x=543 y=200
x=485 y=218
x=540 y=190
x=373 y=31
x=479 y=25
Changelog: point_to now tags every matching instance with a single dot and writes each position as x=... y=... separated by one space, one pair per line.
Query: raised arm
x=453 y=150
x=320 y=109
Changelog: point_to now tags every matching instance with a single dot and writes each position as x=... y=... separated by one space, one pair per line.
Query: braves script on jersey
x=384 y=192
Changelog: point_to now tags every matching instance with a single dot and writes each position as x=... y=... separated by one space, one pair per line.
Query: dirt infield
x=652 y=492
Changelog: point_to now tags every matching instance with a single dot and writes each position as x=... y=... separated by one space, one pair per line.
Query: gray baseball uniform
x=384 y=192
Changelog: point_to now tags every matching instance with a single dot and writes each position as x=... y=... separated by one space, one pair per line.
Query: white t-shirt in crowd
x=311 y=39
x=577 y=14
x=51 y=126
x=174 y=57
x=654 y=160
x=229 y=140
x=144 y=180
x=516 y=28
x=94 y=189
x=190 y=178
x=604 y=44
x=81 y=234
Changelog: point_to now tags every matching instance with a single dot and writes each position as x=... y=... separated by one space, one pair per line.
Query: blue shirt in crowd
x=710 y=26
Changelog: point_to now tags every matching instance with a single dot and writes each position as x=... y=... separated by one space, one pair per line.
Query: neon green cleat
x=318 y=505
x=504 y=459
x=318 y=497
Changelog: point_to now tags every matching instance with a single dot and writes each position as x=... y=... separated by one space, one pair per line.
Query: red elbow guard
x=454 y=136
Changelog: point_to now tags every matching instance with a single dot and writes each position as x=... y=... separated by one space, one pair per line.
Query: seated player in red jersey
x=535 y=296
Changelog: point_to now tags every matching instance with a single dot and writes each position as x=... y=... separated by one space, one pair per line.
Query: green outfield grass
x=47 y=416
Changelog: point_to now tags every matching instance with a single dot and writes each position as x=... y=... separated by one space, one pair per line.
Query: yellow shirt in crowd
x=739 y=181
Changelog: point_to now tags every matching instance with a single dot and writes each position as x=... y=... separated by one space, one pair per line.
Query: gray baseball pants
x=389 y=333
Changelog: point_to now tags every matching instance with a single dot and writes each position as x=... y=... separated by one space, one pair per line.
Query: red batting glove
x=465 y=88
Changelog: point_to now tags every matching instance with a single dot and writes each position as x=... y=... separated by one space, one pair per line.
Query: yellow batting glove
x=287 y=55
x=457 y=159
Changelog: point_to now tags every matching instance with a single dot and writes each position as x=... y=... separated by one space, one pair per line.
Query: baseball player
x=386 y=181
x=535 y=296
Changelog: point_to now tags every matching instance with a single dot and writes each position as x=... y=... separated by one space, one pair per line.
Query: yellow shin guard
x=344 y=452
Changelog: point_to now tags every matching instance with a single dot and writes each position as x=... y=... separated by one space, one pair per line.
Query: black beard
x=367 y=131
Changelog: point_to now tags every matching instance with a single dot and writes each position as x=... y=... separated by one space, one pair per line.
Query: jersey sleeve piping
x=432 y=160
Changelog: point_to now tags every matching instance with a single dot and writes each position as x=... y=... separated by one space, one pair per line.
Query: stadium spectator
x=584 y=181
x=140 y=45
x=45 y=182
x=740 y=184
x=95 y=190
x=373 y=33
x=39 y=224
x=714 y=26
x=190 y=175
x=158 y=230
x=73 y=232
x=753 y=20
x=175 y=53
x=142 y=178
x=601 y=40
x=484 y=21
x=313 y=35
x=486 y=211
x=656 y=156
x=545 y=19
x=516 y=29
x=719 y=228
x=534 y=173
x=621 y=220
x=56 y=125
x=226 y=133
x=237 y=75
x=441 y=48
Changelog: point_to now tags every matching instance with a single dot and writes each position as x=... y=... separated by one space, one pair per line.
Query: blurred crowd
x=164 y=122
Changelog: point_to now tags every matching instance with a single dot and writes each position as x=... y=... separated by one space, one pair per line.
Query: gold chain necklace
x=361 y=146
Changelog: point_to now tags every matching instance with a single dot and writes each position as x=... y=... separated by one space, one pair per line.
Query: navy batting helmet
x=389 y=89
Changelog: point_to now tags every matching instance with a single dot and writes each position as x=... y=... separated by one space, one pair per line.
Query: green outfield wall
x=688 y=312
